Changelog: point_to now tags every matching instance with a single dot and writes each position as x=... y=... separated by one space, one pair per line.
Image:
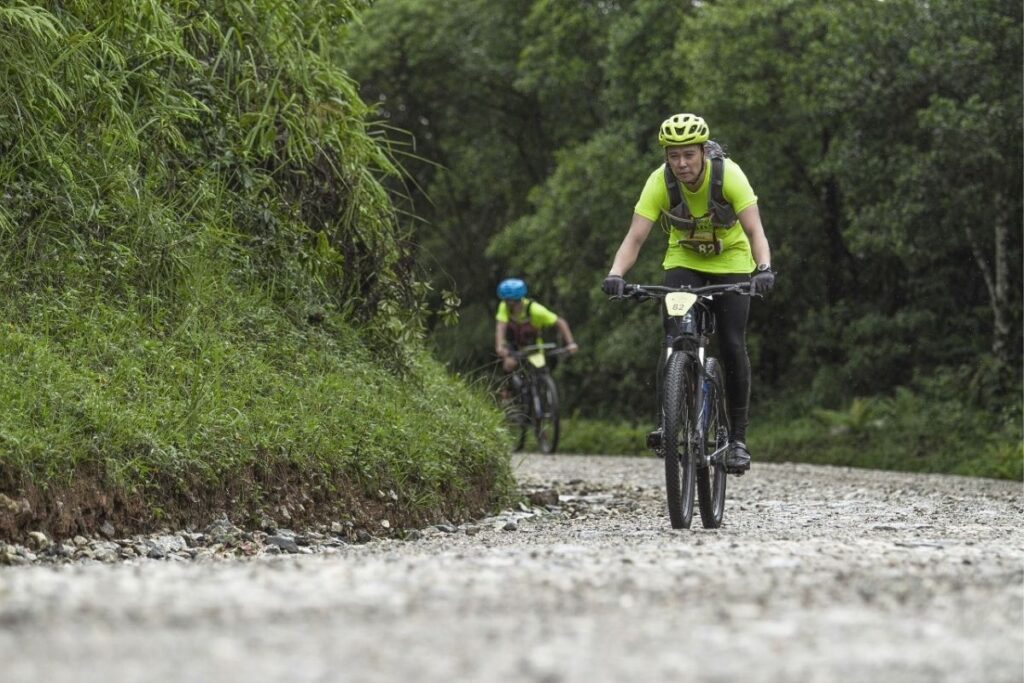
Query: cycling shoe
x=654 y=440
x=737 y=459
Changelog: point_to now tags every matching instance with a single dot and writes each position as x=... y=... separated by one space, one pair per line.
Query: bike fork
x=538 y=406
x=700 y=426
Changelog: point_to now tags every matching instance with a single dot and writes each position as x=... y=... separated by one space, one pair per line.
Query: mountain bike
x=534 y=403
x=695 y=416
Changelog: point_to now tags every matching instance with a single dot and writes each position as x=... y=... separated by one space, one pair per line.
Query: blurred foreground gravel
x=819 y=574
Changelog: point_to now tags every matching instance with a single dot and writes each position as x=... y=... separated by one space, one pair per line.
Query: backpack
x=520 y=334
x=719 y=209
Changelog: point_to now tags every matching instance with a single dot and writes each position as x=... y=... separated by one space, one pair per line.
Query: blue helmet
x=512 y=288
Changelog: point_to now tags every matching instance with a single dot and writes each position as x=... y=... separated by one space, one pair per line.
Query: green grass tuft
x=930 y=430
x=208 y=302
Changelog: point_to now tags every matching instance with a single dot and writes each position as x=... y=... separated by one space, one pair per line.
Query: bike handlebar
x=549 y=349
x=643 y=292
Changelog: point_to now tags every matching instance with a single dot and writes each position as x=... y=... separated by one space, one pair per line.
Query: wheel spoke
x=711 y=478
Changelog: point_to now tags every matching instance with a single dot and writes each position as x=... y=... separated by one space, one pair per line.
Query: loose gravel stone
x=818 y=574
x=285 y=543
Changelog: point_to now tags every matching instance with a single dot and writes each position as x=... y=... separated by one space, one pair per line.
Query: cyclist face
x=514 y=305
x=686 y=163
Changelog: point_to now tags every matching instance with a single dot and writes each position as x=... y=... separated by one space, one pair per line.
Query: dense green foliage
x=604 y=437
x=906 y=431
x=207 y=297
x=884 y=140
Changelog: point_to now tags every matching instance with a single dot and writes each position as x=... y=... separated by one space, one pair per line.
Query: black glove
x=613 y=285
x=762 y=281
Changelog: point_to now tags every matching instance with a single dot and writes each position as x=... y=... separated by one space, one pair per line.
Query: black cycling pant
x=731 y=312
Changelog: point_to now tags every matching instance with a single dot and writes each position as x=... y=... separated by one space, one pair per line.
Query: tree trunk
x=996 y=275
x=1002 y=325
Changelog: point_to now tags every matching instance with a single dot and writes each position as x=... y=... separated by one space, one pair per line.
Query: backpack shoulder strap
x=717 y=180
x=676 y=205
x=722 y=214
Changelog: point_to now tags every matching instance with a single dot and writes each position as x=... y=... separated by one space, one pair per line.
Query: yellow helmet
x=683 y=129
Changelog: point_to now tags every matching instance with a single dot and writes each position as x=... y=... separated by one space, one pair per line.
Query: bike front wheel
x=546 y=414
x=711 y=456
x=676 y=435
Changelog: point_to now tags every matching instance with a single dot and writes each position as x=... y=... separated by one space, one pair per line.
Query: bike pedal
x=737 y=459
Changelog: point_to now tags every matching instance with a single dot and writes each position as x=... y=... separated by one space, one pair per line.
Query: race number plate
x=679 y=303
x=536 y=359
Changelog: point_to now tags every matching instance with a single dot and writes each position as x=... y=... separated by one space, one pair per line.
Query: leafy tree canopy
x=883 y=140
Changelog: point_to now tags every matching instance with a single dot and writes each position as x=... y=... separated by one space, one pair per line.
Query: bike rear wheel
x=711 y=471
x=679 y=456
x=545 y=423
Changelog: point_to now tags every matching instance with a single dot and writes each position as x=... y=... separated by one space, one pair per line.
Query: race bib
x=679 y=303
x=703 y=240
x=706 y=247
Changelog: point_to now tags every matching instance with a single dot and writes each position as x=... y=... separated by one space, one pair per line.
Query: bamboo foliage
x=147 y=142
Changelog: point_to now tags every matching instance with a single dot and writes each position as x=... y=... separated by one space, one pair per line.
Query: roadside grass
x=908 y=431
x=209 y=303
x=108 y=417
x=581 y=435
x=911 y=432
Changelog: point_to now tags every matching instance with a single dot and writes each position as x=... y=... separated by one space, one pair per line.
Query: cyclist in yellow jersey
x=519 y=322
x=710 y=241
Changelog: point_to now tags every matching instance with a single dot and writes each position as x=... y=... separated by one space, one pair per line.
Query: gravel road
x=819 y=574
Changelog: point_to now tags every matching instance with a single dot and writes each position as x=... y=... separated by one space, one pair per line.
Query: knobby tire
x=679 y=460
x=546 y=425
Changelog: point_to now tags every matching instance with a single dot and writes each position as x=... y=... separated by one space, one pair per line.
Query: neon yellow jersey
x=539 y=316
x=735 y=256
